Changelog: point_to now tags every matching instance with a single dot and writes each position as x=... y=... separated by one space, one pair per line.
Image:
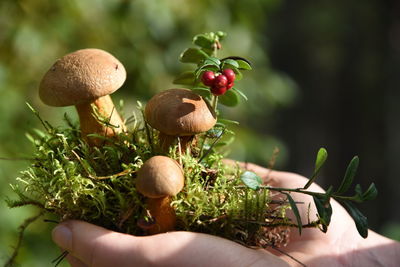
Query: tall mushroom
x=159 y=179
x=86 y=78
x=179 y=113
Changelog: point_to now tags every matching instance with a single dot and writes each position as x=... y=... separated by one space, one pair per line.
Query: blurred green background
x=326 y=73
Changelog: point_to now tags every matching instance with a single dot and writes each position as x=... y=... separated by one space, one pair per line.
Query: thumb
x=96 y=246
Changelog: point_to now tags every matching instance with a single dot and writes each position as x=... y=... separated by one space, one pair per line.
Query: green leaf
x=371 y=193
x=238 y=74
x=193 y=55
x=226 y=121
x=185 y=78
x=358 y=190
x=243 y=65
x=360 y=220
x=229 y=99
x=295 y=211
x=324 y=209
x=203 y=41
x=349 y=176
x=240 y=93
x=251 y=180
x=322 y=155
x=230 y=63
x=212 y=61
x=358 y=197
x=204 y=92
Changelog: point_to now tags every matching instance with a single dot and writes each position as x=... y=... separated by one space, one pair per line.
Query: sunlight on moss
x=72 y=180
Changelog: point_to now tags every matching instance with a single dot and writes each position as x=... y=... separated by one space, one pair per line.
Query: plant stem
x=202 y=146
x=296 y=190
x=214 y=103
x=21 y=229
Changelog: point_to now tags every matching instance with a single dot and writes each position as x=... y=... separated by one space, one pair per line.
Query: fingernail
x=62 y=236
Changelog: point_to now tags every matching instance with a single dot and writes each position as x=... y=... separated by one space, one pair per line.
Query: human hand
x=90 y=245
x=341 y=245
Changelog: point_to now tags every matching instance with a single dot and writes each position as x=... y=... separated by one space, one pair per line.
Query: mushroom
x=179 y=113
x=85 y=78
x=159 y=179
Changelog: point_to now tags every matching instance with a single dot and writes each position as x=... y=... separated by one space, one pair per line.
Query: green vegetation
x=333 y=50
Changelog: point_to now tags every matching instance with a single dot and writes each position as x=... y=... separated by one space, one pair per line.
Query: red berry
x=208 y=78
x=220 y=81
x=230 y=85
x=230 y=74
x=218 y=90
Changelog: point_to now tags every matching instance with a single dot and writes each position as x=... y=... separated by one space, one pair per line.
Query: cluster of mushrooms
x=86 y=78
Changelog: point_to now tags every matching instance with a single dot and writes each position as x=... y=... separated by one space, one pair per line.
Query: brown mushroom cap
x=81 y=76
x=160 y=176
x=179 y=112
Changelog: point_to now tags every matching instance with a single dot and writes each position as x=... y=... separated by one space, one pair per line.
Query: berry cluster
x=220 y=82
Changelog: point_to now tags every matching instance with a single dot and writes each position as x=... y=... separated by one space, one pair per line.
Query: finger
x=93 y=245
x=96 y=246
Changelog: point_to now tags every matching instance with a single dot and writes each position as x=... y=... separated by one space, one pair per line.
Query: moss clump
x=72 y=180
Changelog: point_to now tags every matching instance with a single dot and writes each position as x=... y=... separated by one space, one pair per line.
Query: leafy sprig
x=322 y=200
x=205 y=58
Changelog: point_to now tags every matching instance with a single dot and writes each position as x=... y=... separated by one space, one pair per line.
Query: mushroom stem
x=163 y=215
x=90 y=123
x=166 y=141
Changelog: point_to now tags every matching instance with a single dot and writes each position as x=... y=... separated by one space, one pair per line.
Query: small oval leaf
x=251 y=180
x=240 y=93
x=185 y=78
x=295 y=211
x=324 y=209
x=348 y=176
x=371 y=193
x=202 y=41
x=193 y=55
x=322 y=155
x=229 y=99
x=229 y=63
x=360 y=220
x=243 y=65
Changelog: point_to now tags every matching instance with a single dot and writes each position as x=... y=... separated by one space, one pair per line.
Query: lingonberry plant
x=219 y=75
x=213 y=77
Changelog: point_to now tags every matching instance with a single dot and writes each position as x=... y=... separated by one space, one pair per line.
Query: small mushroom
x=179 y=113
x=86 y=78
x=159 y=179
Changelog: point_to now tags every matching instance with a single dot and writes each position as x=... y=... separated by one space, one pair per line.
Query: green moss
x=97 y=184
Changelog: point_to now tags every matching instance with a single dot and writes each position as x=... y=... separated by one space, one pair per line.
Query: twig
x=212 y=145
x=24 y=203
x=60 y=258
x=21 y=230
x=180 y=151
x=124 y=172
x=272 y=161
